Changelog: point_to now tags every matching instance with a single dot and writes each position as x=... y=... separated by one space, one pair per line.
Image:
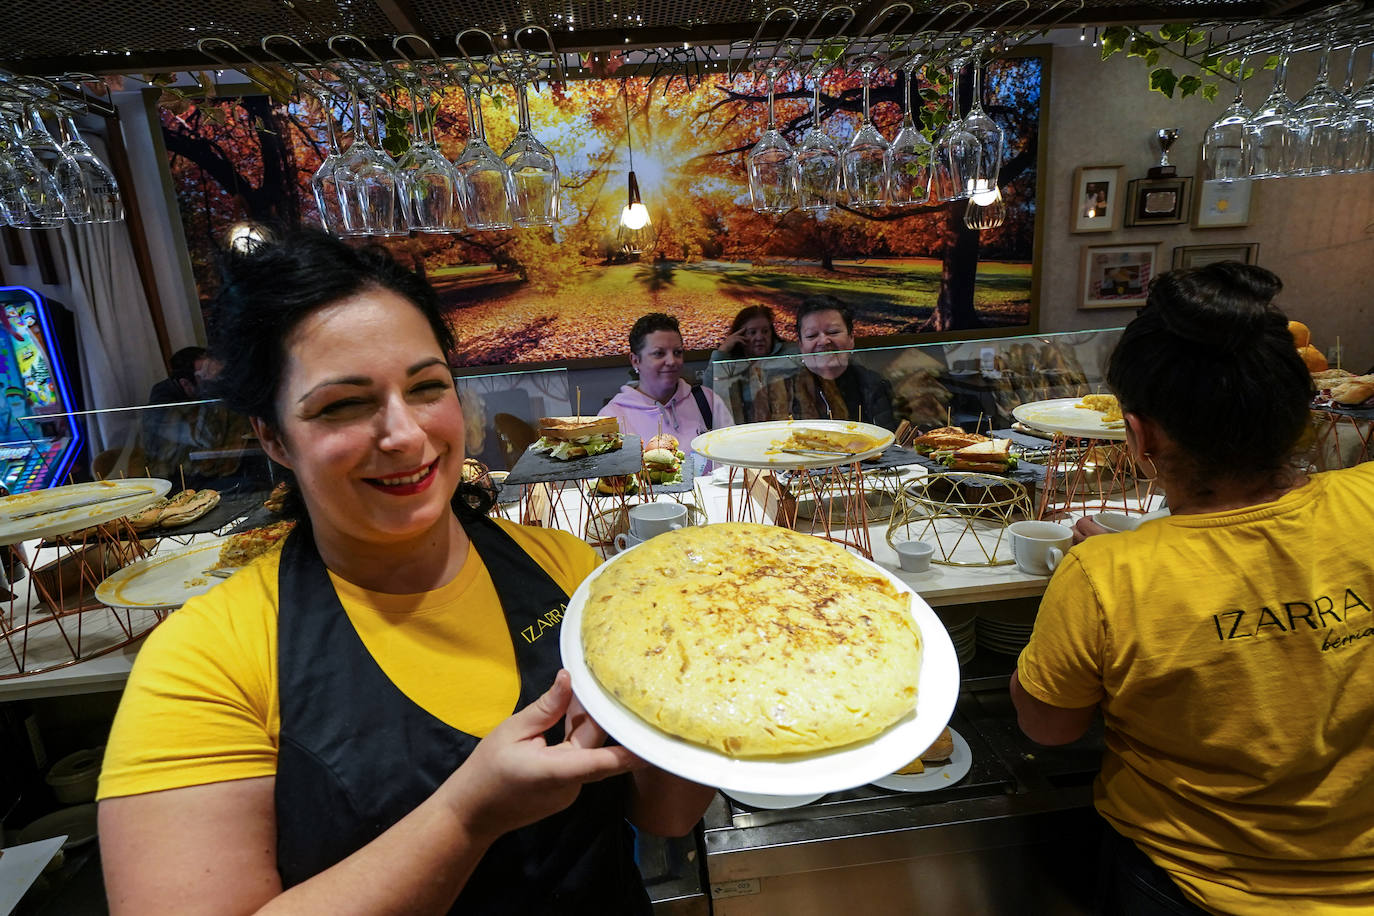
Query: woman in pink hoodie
x=662 y=402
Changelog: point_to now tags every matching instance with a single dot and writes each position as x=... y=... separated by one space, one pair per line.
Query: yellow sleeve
x=564 y=556
x=1062 y=663
x=201 y=703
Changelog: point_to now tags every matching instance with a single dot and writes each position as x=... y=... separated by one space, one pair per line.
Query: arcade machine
x=38 y=440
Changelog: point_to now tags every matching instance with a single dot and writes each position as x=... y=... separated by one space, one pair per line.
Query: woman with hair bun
x=1227 y=645
x=372 y=718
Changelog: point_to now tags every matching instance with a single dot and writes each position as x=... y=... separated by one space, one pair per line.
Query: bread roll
x=938 y=752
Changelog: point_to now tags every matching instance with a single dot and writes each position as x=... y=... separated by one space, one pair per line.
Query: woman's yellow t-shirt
x=201 y=703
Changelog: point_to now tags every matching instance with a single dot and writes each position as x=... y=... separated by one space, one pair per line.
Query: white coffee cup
x=624 y=541
x=1038 y=547
x=914 y=556
x=650 y=519
x=1118 y=521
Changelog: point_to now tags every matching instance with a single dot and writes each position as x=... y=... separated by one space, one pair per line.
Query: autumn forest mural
x=538 y=295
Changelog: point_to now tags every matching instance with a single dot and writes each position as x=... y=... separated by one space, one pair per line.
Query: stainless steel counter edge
x=891 y=833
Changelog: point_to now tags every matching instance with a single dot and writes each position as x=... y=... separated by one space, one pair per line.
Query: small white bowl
x=914 y=556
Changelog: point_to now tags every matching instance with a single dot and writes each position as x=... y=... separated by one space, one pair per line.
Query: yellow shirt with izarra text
x=1232 y=655
x=201 y=705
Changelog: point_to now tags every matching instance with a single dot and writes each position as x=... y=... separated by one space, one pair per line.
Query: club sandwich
x=565 y=438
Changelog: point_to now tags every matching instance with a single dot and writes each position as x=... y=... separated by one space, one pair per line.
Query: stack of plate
x=999 y=635
x=960 y=623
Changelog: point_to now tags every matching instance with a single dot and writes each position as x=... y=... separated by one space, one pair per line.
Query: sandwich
x=182 y=509
x=937 y=753
x=566 y=438
x=663 y=459
x=946 y=438
x=993 y=455
x=624 y=485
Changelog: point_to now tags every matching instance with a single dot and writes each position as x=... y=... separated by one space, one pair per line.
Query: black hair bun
x=1226 y=306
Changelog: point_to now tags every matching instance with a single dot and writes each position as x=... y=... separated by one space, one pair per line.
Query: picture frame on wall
x=1158 y=201
x=1202 y=255
x=1116 y=276
x=1222 y=205
x=1096 y=198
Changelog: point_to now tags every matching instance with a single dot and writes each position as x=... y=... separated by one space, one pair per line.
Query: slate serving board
x=538 y=467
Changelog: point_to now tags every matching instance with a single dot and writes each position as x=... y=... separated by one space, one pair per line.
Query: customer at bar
x=662 y=402
x=833 y=386
x=335 y=727
x=755 y=387
x=1227 y=645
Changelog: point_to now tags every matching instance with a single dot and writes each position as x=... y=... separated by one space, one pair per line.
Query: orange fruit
x=1314 y=359
x=1302 y=337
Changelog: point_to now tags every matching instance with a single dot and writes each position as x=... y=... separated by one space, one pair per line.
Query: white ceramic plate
x=935 y=777
x=165 y=580
x=117 y=498
x=774 y=802
x=1060 y=415
x=803 y=774
x=755 y=445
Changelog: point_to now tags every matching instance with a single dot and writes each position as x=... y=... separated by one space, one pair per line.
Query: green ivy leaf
x=1209 y=62
x=1271 y=62
x=830 y=52
x=1174 y=31
x=1188 y=85
x=1231 y=67
x=1152 y=58
x=1141 y=46
x=1249 y=72
x=1163 y=80
x=1114 y=39
x=1209 y=91
x=1195 y=36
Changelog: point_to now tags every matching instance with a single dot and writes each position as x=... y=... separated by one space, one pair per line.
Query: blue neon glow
x=59 y=372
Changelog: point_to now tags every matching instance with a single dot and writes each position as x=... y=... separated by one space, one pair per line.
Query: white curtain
x=119 y=353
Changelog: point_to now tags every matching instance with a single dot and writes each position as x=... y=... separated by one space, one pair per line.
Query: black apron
x=357 y=755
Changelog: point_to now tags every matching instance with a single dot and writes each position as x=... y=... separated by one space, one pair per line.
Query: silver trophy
x=1166 y=137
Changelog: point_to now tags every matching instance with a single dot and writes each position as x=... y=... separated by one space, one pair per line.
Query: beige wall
x=1315 y=233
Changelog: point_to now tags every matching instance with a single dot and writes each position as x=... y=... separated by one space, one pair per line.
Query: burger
x=623 y=485
x=663 y=459
x=945 y=438
x=566 y=438
x=937 y=753
x=991 y=455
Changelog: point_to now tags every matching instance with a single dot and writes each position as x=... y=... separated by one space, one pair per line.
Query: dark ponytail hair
x=268 y=290
x=1211 y=360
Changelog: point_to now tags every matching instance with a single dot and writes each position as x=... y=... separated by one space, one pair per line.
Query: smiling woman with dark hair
x=361 y=720
x=1227 y=645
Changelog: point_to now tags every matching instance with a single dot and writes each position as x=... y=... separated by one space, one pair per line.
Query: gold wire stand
x=1092 y=475
x=1340 y=440
x=959 y=509
x=52 y=620
x=830 y=503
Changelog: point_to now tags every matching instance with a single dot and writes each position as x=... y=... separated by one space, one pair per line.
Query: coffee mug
x=914 y=556
x=624 y=541
x=1118 y=521
x=1038 y=547
x=649 y=519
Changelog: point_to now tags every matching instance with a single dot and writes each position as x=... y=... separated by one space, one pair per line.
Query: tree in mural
x=568 y=291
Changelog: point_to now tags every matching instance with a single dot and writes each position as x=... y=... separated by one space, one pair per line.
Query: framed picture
x=1200 y=255
x=1116 y=276
x=1222 y=204
x=1158 y=201
x=1096 y=193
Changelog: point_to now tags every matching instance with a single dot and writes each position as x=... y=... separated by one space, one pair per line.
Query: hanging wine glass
x=429 y=182
x=1355 y=126
x=533 y=169
x=817 y=162
x=1275 y=138
x=488 y=191
x=36 y=202
x=1363 y=104
x=97 y=181
x=909 y=156
x=945 y=184
x=980 y=162
x=865 y=159
x=65 y=173
x=1225 y=150
x=366 y=179
x=323 y=183
x=1320 y=112
x=772 y=177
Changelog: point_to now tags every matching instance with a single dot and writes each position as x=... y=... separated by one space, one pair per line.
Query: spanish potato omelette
x=753 y=640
